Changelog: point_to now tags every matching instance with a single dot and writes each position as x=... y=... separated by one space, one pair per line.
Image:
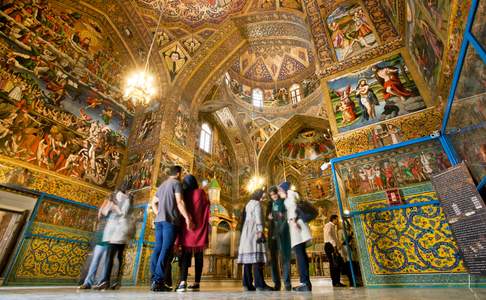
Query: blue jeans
x=99 y=255
x=165 y=235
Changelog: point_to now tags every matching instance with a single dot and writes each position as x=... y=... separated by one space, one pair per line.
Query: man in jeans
x=331 y=248
x=168 y=207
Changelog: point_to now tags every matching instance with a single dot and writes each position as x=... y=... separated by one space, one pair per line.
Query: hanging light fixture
x=140 y=85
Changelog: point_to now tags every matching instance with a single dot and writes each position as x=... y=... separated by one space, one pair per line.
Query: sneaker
x=303 y=288
x=102 y=286
x=84 y=286
x=182 y=287
x=194 y=287
x=115 y=286
x=159 y=287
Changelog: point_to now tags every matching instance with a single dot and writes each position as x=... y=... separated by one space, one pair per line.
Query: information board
x=466 y=213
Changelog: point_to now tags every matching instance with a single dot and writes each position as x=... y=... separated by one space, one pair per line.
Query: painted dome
x=194 y=13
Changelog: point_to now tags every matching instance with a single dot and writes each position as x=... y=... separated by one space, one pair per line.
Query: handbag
x=306 y=211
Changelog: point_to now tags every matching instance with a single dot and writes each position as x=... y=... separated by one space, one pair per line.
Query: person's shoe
x=102 y=286
x=277 y=288
x=182 y=287
x=249 y=289
x=115 y=286
x=194 y=287
x=288 y=288
x=265 y=289
x=160 y=287
x=303 y=288
x=339 y=285
x=84 y=286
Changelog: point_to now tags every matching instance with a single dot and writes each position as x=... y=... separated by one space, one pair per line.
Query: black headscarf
x=189 y=183
x=257 y=195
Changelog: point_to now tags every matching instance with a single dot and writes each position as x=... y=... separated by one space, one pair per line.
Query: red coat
x=197 y=205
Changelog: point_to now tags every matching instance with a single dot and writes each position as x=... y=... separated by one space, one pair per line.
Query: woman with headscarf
x=251 y=251
x=116 y=234
x=300 y=235
x=193 y=241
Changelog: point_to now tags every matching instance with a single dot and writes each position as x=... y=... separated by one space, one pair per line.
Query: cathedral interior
x=362 y=105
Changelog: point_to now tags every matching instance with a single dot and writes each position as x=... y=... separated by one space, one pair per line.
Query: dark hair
x=189 y=183
x=257 y=195
x=273 y=189
x=334 y=217
x=174 y=170
x=124 y=187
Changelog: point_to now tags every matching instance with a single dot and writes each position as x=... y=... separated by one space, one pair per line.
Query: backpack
x=306 y=211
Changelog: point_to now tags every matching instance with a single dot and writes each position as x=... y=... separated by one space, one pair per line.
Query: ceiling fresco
x=194 y=13
x=271 y=64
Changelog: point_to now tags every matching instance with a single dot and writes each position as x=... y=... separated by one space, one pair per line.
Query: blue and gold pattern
x=411 y=240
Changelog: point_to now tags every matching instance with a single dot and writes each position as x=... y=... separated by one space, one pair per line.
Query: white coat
x=249 y=251
x=297 y=235
x=117 y=225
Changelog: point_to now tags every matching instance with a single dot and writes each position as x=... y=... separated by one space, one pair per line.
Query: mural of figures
x=319 y=188
x=393 y=169
x=472 y=82
x=259 y=139
x=175 y=58
x=139 y=171
x=350 y=30
x=67 y=215
x=309 y=144
x=425 y=43
x=181 y=126
x=384 y=135
x=168 y=160
x=62 y=47
x=438 y=12
x=479 y=25
x=375 y=93
x=274 y=97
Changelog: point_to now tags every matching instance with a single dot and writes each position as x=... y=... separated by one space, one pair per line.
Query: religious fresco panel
x=392 y=169
x=378 y=92
x=167 y=160
x=425 y=43
x=181 y=126
x=59 y=108
x=138 y=173
x=479 y=26
x=350 y=30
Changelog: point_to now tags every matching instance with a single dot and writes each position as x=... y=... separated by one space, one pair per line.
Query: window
x=295 y=94
x=205 y=140
x=257 y=98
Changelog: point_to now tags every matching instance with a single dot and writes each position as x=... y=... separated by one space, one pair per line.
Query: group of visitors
x=111 y=240
x=182 y=212
x=286 y=231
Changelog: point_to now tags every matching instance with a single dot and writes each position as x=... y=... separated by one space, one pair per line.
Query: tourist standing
x=168 y=206
x=300 y=235
x=193 y=241
x=116 y=234
x=99 y=252
x=251 y=251
x=279 y=240
x=331 y=248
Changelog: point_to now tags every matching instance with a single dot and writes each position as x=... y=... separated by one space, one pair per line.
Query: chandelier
x=140 y=85
x=140 y=88
x=256 y=182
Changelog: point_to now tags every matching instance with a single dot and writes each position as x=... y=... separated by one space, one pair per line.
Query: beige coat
x=297 y=235
x=117 y=226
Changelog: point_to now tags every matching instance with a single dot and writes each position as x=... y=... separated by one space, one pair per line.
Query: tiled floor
x=231 y=290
